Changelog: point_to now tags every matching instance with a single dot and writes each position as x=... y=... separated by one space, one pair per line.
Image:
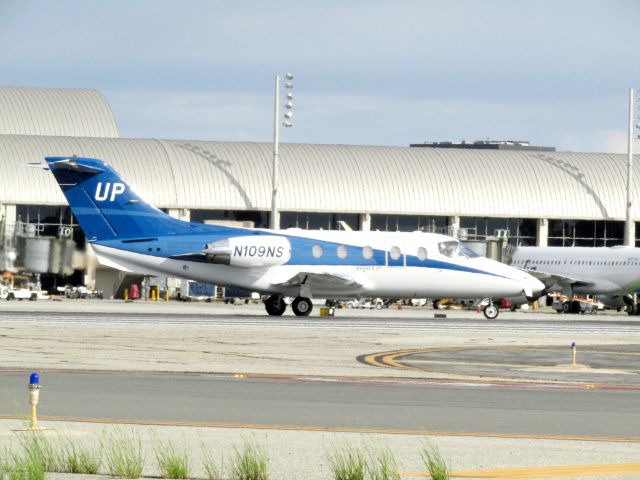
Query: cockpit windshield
x=448 y=249
x=454 y=249
x=468 y=252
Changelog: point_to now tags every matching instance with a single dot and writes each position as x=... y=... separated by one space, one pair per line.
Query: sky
x=375 y=72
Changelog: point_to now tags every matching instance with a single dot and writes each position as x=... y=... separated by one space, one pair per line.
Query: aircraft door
x=395 y=255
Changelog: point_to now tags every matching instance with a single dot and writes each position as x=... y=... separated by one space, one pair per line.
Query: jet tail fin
x=105 y=205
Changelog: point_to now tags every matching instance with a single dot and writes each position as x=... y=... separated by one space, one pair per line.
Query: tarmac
x=158 y=337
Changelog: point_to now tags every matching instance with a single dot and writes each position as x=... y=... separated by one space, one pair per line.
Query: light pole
x=629 y=225
x=275 y=214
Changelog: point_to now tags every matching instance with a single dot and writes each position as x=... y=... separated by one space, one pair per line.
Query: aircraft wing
x=320 y=281
x=551 y=279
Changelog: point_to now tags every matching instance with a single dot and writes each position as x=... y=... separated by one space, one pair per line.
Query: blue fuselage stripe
x=174 y=246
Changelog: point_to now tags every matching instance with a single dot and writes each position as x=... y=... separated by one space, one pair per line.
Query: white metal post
x=629 y=226
x=275 y=214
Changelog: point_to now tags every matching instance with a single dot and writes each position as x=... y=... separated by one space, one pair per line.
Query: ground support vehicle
x=563 y=304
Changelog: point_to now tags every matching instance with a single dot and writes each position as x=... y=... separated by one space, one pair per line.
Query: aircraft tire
x=491 y=311
x=302 y=306
x=275 y=305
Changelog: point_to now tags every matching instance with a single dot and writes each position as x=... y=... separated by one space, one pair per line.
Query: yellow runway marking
x=569 y=471
x=393 y=360
x=313 y=428
x=384 y=357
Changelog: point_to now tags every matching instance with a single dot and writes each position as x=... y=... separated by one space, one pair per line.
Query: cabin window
x=422 y=254
x=395 y=253
x=317 y=251
x=367 y=252
x=342 y=252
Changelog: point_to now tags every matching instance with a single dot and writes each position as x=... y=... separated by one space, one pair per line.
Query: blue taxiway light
x=34 y=379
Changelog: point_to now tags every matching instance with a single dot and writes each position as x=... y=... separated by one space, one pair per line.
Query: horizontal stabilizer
x=71 y=164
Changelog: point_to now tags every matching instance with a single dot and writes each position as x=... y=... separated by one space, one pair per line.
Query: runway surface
x=572 y=324
x=401 y=406
x=306 y=385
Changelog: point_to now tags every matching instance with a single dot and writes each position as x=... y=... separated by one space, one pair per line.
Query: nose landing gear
x=491 y=311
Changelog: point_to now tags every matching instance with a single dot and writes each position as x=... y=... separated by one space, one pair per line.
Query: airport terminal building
x=540 y=196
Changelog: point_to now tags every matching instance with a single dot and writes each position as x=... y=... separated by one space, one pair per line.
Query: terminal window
x=585 y=233
x=521 y=231
x=408 y=223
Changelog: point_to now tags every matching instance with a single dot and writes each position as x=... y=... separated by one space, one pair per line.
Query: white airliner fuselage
x=602 y=270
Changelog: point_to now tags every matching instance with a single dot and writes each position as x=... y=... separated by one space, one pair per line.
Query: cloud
x=614 y=141
x=376 y=71
x=200 y=115
x=360 y=119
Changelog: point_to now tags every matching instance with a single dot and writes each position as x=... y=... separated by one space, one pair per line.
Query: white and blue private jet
x=131 y=235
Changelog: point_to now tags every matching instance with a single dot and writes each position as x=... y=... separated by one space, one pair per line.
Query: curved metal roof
x=55 y=111
x=336 y=178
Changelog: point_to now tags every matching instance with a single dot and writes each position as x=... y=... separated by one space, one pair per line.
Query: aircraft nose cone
x=533 y=287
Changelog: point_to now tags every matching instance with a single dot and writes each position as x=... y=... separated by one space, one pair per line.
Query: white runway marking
x=591 y=327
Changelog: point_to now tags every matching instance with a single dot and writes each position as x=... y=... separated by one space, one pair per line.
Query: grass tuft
x=434 y=462
x=123 y=454
x=4 y=462
x=348 y=463
x=213 y=468
x=38 y=449
x=172 y=464
x=382 y=464
x=250 y=462
x=23 y=467
x=80 y=459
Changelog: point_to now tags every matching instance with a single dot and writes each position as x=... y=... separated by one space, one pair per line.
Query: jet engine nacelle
x=250 y=251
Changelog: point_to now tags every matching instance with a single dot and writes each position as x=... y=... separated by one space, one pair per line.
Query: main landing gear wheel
x=491 y=311
x=302 y=306
x=275 y=305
